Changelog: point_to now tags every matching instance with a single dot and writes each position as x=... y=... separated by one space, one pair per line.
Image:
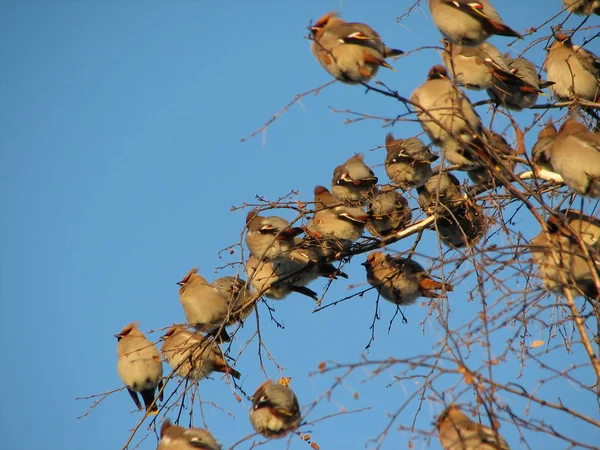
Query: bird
x=575 y=156
x=353 y=181
x=458 y=432
x=520 y=87
x=408 y=161
x=399 y=280
x=388 y=212
x=464 y=226
x=139 y=366
x=448 y=118
x=174 y=437
x=312 y=256
x=334 y=227
x=205 y=308
x=557 y=253
x=468 y=22
x=269 y=237
x=278 y=278
x=275 y=410
x=474 y=67
x=352 y=52
x=192 y=355
x=504 y=164
x=440 y=195
x=238 y=293
x=583 y=7
x=574 y=70
x=546 y=136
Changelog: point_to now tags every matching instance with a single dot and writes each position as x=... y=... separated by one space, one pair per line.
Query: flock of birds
x=281 y=261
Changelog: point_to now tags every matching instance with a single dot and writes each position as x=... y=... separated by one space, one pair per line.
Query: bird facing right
x=458 y=432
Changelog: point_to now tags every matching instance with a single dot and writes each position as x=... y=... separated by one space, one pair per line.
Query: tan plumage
x=407 y=161
x=351 y=52
x=353 y=181
x=458 y=432
x=557 y=254
x=546 y=136
x=575 y=71
x=275 y=410
x=575 y=155
x=174 y=437
x=192 y=355
x=205 y=308
x=468 y=22
x=139 y=366
x=269 y=237
x=388 y=212
x=399 y=280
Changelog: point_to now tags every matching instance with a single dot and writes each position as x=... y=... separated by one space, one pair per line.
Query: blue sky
x=120 y=159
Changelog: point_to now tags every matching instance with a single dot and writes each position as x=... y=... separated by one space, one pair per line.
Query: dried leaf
x=315 y=446
x=306 y=437
x=322 y=366
x=537 y=343
x=284 y=381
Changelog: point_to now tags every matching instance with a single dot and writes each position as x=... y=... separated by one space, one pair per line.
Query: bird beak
x=118 y=336
x=366 y=263
x=179 y=283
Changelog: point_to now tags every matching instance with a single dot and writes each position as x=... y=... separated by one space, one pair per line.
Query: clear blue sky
x=120 y=157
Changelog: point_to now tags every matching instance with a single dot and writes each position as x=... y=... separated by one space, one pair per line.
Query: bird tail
x=305 y=291
x=391 y=52
x=148 y=396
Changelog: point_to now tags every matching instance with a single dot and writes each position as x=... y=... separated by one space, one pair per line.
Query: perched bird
x=575 y=71
x=458 y=432
x=475 y=67
x=440 y=195
x=464 y=226
x=275 y=411
x=583 y=7
x=173 y=437
x=388 y=212
x=192 y=355
x=545 y=137
x=519 y=88
x=334 y=228
x=408 y=162
x=575 y=155
x=556 y=253
x=352 y=52
x=265 y=274
x=205 y=308
x=139 y=366
x=269 y=237
x=353 y=181
x=487 y=176
x=238 y=293
x=448 y=118
x=399 y=280
x=468 y=22
x=311 y=255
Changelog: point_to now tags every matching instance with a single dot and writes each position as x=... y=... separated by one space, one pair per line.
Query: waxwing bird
x=173 y=437
x=352 y=52
x=388 y=212
x=139 y=366
x=575 y=71
x=280 y=277
x=334 y=227
x=269 y=237
x=557 y=254
x=311 y=255
x=458 y=432
x=275 y=410
x=205 y=308
x=192 y=355
x=505 y=155
x=353 y=181
x=399 y=280
x=519 y=88
x=474 y=67
x=583 y=7
x=468 y=22
x=440 y=194
x=408 y=162
x=545 y=137
x=448 y=118
x=575 y=156
x=464 y=226
x=238 y=293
